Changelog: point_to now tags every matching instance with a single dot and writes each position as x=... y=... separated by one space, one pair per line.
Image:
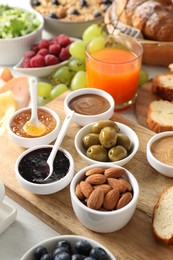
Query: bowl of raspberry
x=45 y=56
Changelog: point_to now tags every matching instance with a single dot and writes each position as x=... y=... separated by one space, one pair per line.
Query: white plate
x=38 y=72
x=7 y=216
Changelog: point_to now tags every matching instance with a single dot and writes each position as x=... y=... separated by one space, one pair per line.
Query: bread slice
x=160 y=116
x=162 y=86
x=162 y=221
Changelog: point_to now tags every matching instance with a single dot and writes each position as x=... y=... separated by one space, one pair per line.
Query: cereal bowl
x=73 y=240
x=30 y=172
x=159 y=153
x=18 y=135
x=96 y=153
x=12 y=49
x=90 y=105
x=98 y=216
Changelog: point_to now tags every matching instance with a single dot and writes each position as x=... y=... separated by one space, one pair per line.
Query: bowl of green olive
x=106 y=141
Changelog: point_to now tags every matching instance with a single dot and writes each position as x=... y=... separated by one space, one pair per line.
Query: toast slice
x=162 y=86
x=162 y=220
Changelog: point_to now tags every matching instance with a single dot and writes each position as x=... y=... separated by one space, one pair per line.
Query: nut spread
x=162 y=150
x=89 y=104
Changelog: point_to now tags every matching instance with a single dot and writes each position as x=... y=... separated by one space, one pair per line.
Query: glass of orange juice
x=114 y=66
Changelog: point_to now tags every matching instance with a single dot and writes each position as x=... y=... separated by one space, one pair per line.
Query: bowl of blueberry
x=70 y=17
x=68 y=247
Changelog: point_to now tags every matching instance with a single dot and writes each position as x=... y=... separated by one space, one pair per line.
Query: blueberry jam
x=33 y=168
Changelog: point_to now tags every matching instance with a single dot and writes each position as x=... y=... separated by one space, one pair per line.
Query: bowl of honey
x=18 y=135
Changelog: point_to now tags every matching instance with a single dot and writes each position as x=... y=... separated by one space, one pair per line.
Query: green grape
x=62 y=75
x=44 y=89
x=77 y=50
x=79 y=80
x=43 y=100
x=76 y=64
x=58 y=90
x=143 y=78
x=91 y=32
x=96 y=44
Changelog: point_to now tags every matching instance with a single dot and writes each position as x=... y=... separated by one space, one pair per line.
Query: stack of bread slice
x=160 y=111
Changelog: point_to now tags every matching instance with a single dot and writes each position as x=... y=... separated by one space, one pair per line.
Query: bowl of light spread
x=160 y=153
x=90 y=105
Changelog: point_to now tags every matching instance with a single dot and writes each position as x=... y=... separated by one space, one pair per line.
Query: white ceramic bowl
x=82 y=119
x=45 y=188
x=52 y=242
x=163 y=152
x=12 y=50
x=2 y=191
x=30 y=142
x=103 y=221
x=123 y=129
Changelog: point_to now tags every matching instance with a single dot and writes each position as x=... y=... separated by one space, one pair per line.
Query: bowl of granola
x=70 y=17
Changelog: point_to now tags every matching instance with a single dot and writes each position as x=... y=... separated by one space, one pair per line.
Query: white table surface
x=27 y=230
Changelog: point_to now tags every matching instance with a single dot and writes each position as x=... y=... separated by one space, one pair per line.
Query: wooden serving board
x=145 y=96
x=135 y=241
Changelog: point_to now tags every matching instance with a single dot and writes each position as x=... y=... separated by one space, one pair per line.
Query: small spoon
x=34 y=127
x=48 y=165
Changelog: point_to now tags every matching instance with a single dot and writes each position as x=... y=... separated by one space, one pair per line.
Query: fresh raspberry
x=63 y=40
x=51 y=60
x=26 y=62
x=55 y=49
x=43 y=44
x=29 y=54
x=37 y=61
x=43 y=52
x=64 y=54
x=35 y=47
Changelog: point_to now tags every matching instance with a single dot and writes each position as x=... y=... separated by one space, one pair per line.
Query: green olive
x=90 y=139
x=124 y=140
x=117 y=153
x=108 y=137
x=98 y=126
x=97 y=153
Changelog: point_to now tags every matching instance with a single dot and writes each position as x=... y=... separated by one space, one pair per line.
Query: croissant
x=153 y=18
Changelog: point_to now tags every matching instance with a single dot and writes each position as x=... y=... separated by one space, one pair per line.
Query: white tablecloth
x=27 y=230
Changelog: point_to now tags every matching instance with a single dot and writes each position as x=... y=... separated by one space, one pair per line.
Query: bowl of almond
x=104 y=198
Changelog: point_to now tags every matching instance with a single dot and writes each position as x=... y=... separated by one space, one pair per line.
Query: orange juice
x=115 y=71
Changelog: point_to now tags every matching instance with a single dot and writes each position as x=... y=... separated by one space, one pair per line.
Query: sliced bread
x=162 y=86
x=160 y=116
x=162 y=221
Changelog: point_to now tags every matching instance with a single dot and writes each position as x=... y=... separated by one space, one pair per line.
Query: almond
x=126 y=183
x=124 y=200
x=111 y=199
x=94 y=171
x=86 y=188
x=79 y=192
x=95 y=200
x=114 y=172
x=105 y=187
x=96 y=179
x=115 y=184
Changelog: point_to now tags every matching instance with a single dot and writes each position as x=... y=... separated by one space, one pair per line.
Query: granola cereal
x=71 y=10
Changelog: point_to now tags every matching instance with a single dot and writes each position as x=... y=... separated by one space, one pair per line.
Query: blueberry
x=53 y=15
x=65 y=244
x=77 y=257
x=99 y=253
x=62 y=256
x=39 y=252
x=55 y=2
x=47 y=256
x=36 y=3
x=97 y=14
x=74 y=11
x=83 y=247
x=89 y=258
x=83 y=3
x=61 y=249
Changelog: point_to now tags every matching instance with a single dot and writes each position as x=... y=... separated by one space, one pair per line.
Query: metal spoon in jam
x=34 y=127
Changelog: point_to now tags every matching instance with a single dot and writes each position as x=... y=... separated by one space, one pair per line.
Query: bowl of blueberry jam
x=68 y=247
x=31 y=174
